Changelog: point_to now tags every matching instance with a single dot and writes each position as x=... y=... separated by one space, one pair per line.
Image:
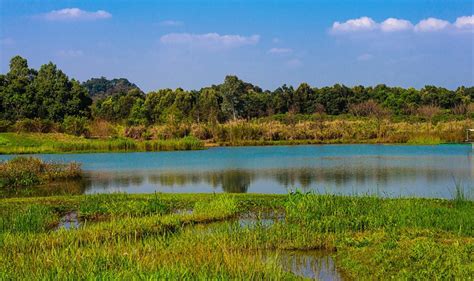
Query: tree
x=17 y=91
x=334 y=99
x=57 y=96
x=282 y=99
x=100 y=88
x=303 y=99
x=232 y=91
x=208 y=106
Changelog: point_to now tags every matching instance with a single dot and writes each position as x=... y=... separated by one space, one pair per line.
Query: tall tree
x=17 y=91
x=232 y=90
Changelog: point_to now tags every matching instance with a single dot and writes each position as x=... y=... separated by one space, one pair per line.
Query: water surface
x=386 y=170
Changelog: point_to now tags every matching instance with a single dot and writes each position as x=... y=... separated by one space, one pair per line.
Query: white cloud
x=209 y=40
x=280 y=51
x=360 y=24
x=431 y=24
x=365 y=57
x=393 y=24
x=171 y=23
x=69 y=14
x=466 y=22
x=70 y=53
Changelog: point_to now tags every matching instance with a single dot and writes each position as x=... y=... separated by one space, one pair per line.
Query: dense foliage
x=100 y=88
x=45 y=94
x=48 y=94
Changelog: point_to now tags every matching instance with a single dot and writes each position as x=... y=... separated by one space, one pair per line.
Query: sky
x=192 y=44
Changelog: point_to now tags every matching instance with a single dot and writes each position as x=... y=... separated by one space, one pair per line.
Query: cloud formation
x=75 y=14
x=171 y=23
x=360 y=24
x=209 y=40
x=280 y=51
x=465 y=22
x=431 y=24
x=366 y=24
x=393 y=25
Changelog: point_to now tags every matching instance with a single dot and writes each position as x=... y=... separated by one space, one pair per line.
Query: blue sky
x=191 y=44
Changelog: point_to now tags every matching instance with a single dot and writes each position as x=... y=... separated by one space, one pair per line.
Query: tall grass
x=27 y=171
x=28 y=143
x=186 y=136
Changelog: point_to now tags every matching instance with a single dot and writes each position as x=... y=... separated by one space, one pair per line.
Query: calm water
x=387 y=170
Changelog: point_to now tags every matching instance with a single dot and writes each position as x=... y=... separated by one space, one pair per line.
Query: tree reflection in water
x=334 y=179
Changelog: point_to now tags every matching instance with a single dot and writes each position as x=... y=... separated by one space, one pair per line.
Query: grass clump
x=28 y=171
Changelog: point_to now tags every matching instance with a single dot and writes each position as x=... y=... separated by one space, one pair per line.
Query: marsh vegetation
x=143 y=236
x=29 y=171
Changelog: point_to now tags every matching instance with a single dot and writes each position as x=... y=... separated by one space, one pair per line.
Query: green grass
x=28 y=143
x=149 y=236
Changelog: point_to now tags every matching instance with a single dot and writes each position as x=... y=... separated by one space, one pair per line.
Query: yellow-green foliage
x=366 y=130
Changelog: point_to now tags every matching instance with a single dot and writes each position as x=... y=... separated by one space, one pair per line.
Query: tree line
x=49 y=94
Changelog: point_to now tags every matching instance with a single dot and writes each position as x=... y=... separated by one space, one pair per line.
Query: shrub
x=102 y=129
x=368 y=108
x=5 y=126
x=136 y=132
x=75 y=126
x=35 y=126
x=428 y=111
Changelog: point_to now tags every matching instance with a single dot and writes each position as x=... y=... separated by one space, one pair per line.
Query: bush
x=428 y=111
x=35 y=126
x=136 y=132
x=75 y=126
x=368 y=108
x=102 y=129
x=5 y=126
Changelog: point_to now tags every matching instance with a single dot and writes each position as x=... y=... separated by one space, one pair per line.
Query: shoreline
x=127 y=145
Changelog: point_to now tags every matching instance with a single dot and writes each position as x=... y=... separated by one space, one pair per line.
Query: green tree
x=17 y=94
x=208 y=106
x=232 y=90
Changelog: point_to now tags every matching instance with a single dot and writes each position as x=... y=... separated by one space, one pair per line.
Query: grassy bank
x=184 y=136
x=27 y=143
x=234 y=236
x=28 y=171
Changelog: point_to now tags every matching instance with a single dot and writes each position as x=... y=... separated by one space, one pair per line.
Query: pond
x=385 y=170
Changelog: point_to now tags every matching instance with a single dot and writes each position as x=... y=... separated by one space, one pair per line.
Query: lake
x=385 y=170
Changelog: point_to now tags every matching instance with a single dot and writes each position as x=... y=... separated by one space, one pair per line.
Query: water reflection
x=385 y=181
x=424 y=171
